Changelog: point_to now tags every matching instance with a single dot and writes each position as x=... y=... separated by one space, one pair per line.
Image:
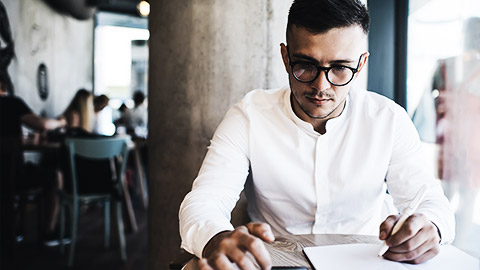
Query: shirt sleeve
x=206 y=210
x=408 y=171
x=22 y=107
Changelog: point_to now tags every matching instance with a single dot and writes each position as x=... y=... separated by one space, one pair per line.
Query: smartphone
x=289 y=268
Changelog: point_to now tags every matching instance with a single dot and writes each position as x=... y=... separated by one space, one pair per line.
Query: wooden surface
x=287 y=250
x=45 y=146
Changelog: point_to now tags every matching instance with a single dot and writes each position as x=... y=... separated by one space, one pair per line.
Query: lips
x=317 y=101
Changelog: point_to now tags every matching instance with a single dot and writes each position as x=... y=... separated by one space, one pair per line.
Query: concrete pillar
x=204 y=56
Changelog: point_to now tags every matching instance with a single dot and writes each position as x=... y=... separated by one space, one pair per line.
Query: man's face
x=319 y=100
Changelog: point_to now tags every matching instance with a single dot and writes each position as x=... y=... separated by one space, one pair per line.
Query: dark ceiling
x=84 y=9
x=120 y=6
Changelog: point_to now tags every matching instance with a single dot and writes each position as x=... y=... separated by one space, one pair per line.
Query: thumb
x=261 y=230
x=387 y=226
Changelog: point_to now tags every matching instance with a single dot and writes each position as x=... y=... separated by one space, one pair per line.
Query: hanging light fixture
x=143 y=8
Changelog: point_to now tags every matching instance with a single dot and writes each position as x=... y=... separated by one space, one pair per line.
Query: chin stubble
x=320 y=117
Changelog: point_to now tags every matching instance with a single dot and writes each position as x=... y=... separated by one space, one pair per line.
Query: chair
x=99 y=149
x=30 y=196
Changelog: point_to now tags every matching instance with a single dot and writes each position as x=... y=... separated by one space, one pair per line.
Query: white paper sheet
x=364 y=256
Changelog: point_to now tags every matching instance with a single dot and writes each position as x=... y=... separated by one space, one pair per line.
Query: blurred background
x=191 y=60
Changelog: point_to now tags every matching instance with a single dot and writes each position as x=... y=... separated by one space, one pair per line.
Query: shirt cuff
x=200 y=238
x=438 y=231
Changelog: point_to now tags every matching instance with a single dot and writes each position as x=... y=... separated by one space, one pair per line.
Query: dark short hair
x=319 y=16
x=100 y=102
x=5 y=82
x=138 y=97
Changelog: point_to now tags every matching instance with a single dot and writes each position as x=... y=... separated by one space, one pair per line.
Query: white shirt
x=137 y=118
x=304 y=182
x=103 y=122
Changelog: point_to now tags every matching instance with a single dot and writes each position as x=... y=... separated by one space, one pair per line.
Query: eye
x=339 y=67
x=337 y=70
x=304 y=70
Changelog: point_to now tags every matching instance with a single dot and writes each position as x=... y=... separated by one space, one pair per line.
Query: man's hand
x=415 y=242
x=230 y=247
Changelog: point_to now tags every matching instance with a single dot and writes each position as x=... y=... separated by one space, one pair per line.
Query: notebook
x=364 y=256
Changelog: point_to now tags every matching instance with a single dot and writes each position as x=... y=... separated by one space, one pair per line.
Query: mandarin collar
x=331 y=125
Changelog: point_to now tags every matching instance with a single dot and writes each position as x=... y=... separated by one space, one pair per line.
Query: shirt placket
x=321 y=184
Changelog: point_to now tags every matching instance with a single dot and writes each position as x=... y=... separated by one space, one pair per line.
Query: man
x=321 y=155
x=137 y=118
x=13 y=113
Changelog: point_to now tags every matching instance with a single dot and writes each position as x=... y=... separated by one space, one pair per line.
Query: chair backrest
x=97 y=148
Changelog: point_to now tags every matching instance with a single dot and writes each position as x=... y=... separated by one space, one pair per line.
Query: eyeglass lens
x=307 y=72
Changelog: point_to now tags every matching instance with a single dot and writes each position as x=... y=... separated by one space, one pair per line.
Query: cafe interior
x=134 y=90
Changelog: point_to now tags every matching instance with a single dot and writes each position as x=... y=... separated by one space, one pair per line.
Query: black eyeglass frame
x=320 y=68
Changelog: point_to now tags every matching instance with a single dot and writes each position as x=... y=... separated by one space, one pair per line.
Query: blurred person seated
x=80 y=113
x=13 y=114
x=136 y=119
x=103 y=116
x=120 y=119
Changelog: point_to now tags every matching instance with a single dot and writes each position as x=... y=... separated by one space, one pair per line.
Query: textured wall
x=204 y=56
x=64 y=44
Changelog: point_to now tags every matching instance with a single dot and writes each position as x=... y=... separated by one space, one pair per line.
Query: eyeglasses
x=337 y=75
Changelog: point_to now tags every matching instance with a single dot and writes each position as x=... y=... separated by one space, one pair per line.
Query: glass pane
x=443 y=93
x=120 y=51
x=121 y=71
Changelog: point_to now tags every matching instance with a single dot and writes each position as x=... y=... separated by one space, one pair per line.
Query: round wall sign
x=42 y=81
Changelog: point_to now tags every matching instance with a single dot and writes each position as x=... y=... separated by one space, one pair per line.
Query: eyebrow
x=311 y=59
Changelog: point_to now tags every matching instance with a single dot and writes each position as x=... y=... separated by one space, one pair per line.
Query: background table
x=287 y=250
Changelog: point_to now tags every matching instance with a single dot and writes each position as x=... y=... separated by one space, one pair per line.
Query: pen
x=408 y=211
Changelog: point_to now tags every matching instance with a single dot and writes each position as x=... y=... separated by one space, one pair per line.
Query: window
x=121 y=57
x=443 y=97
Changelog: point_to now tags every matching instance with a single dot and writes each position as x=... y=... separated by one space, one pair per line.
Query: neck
x=319 y=124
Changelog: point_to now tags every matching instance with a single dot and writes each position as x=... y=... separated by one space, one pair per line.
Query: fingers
x=203 y=264
x=387 y=226
x=408 y=230
x=418 y=226
x=425 y=234
x=256 y=247
x=421 y=254
x=261 y=230
x=426 y=256
x=416 y=241
x=227 y=248
x=241 y=259
x=221 y=262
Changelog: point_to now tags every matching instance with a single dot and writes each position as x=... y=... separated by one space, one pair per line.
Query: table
x=287 y=250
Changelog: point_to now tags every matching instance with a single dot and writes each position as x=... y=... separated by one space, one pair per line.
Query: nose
x=321 y=83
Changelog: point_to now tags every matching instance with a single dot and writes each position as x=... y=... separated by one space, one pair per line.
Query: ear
x=283 y=51
x=363 y=62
